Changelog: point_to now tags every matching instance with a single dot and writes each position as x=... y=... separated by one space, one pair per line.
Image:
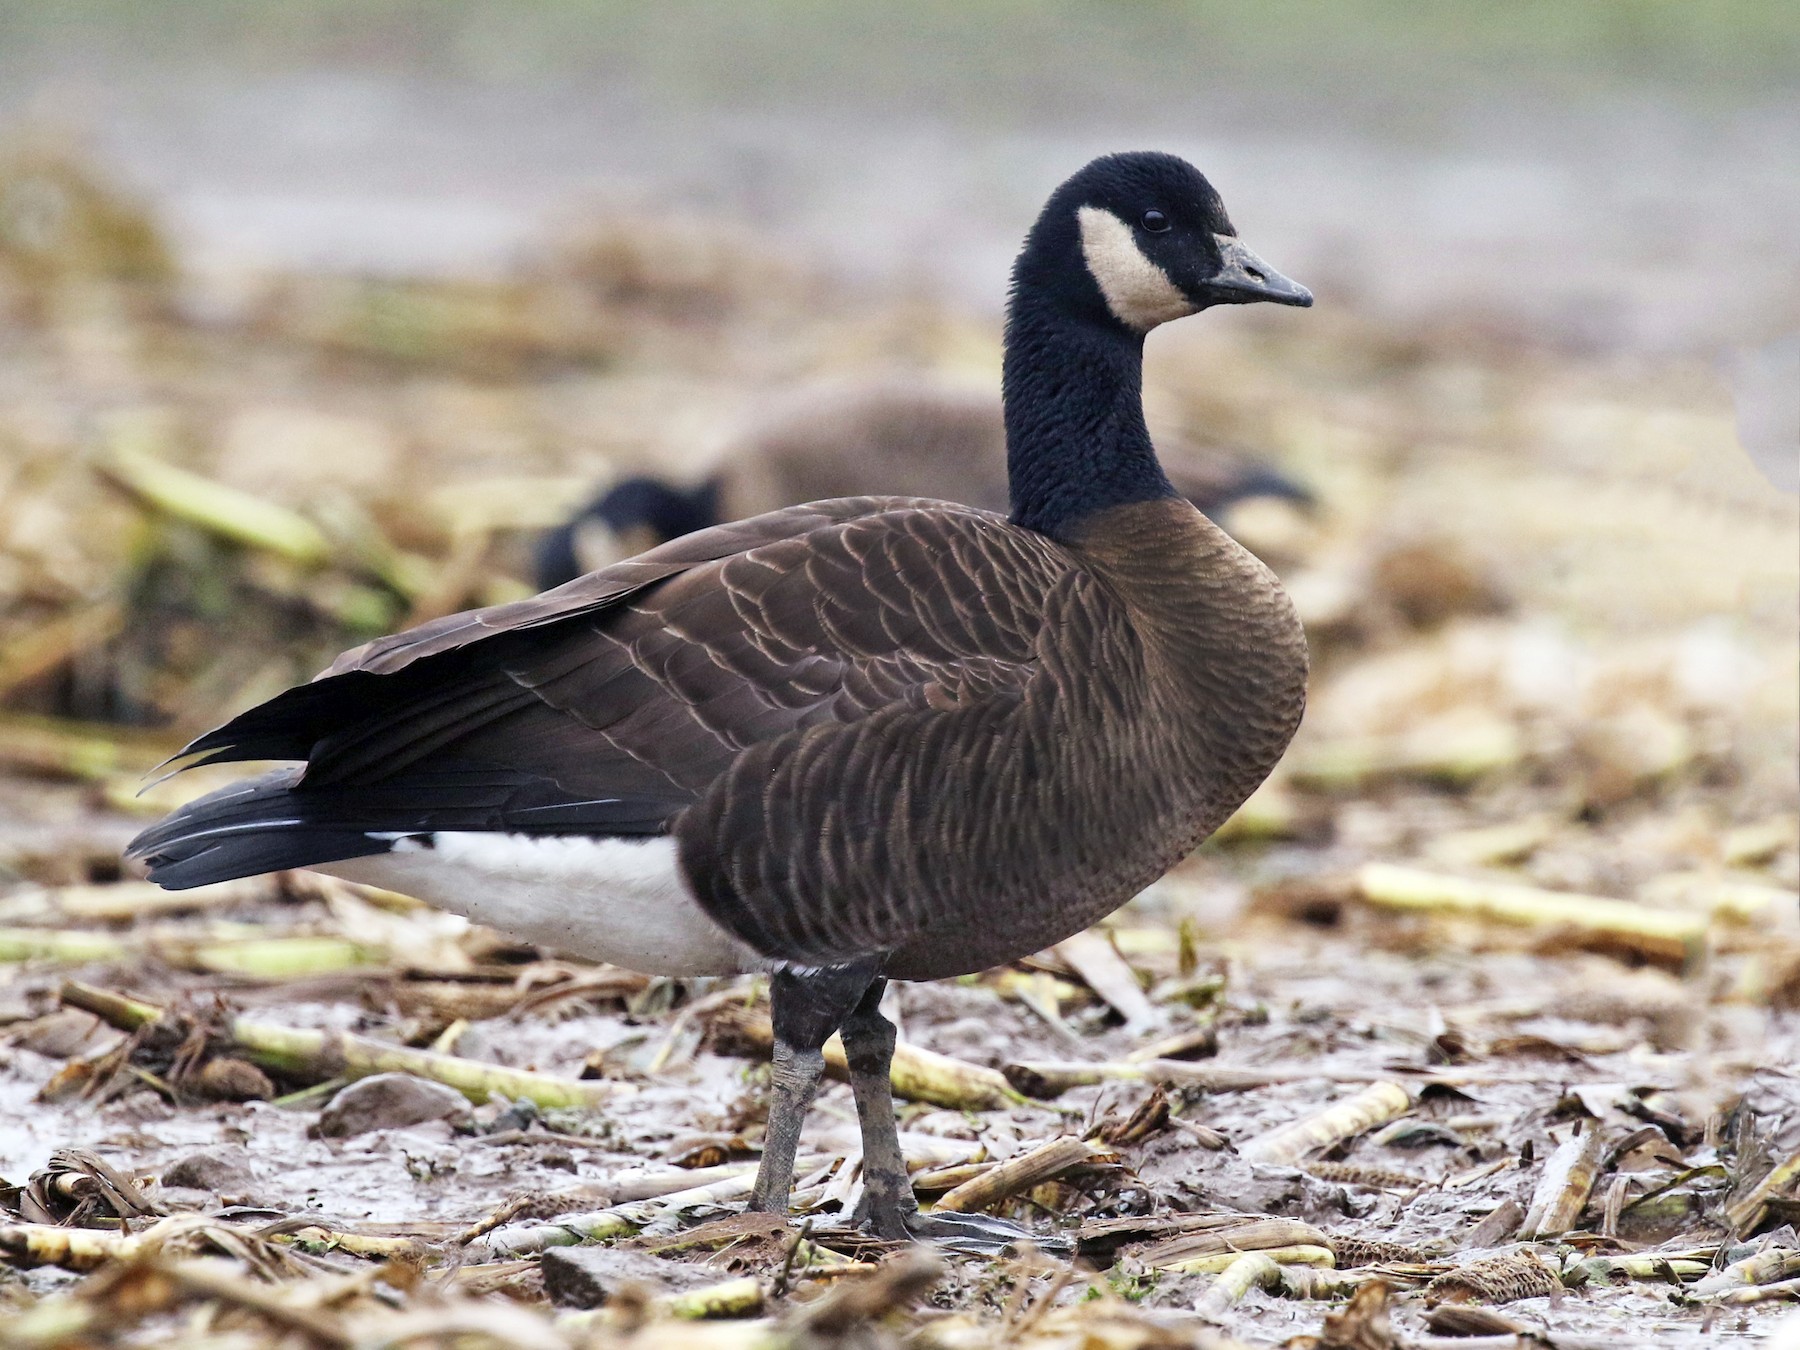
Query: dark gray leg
x=887 y=1198
x=806 y=1008
x=793 y=1084
x=888 y=1207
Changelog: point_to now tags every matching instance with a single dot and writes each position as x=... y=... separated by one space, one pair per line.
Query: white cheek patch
x=1137 y=291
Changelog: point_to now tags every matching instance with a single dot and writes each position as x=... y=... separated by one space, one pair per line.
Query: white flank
x=617 y=900
x=1137 y=291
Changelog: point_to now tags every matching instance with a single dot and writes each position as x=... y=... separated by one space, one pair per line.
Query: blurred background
x=313 y=318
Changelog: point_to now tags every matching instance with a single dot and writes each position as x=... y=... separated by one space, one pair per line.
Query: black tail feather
x=273 y=822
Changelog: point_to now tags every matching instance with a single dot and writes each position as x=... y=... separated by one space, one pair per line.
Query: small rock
x=222 y=1171
x=388 y=1101
x=232 y=1080
x=58 y=1035
x=591 y=1277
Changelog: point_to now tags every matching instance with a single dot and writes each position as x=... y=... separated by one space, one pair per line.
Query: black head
x=1135 y=240
x=634 y=515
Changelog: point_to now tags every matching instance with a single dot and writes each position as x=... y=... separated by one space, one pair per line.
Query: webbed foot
x=969 y=1234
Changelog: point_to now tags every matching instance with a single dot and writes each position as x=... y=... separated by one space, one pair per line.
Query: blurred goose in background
x=920 y=437
x=865 y=739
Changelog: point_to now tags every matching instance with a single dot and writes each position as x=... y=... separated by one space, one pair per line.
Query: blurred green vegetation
x=999 y=57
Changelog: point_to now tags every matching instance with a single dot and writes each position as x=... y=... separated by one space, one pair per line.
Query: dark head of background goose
x=898 y=434
x=864 y=739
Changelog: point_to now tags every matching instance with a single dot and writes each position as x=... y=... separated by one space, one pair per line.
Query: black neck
x=1076 y=443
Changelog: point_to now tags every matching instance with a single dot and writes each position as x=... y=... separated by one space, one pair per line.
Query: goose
x=843 y=743
x=888 y=436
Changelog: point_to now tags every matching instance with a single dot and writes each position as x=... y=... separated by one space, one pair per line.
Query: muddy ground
x=1523 y=893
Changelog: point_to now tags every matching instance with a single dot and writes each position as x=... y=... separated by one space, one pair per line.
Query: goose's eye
x=1154 y=221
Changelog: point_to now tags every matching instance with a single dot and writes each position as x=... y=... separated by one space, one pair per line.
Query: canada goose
x=859 y=740
x=888 y=436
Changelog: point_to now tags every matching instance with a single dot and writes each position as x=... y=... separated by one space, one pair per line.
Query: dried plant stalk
x=81 y=751
x=919 y=1075
x=1200 y=1041
x=1252 y=1270
x=1045 y=1079
x=43 y=1244
x=1455 y=752
x=1092 y=956
x=63 y=946
x=1303 y=1254
x=1766 y=1267
x=1562 y=1192
x=646 y=1184
x=116 y=1010
x=271 y=958
x=1229 y=1238
x=729 y=1298
x=1761 y=1293
x=1666 y=936
x=1019 y=1174
x=1356 y=1174
x=341 y=1054
x=1374 y=1105
x=318 y=1055
x=131 y=901
x=214 y=507
x=1660 y=1267
x=740 y=1297
x=1745 y=1213
x=602 y=1225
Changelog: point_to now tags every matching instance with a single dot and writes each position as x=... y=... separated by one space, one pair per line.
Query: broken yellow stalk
x=1044 y=1079
x=308 y=1054
x=129 y=901
x=1252 y=1270
x=647 y=1184
x=602 y=1225
x=214 y=507
x=1212 y=1248
x=1761 y=1293
x=271 y=958
x=1745 y=1214
x=320 y=1238
x=73 y=947
x=1018 y=1174
x=1766 y=1267
x=1453 y=751
x=1092 y=956
x=919 y=1075
x=1374 y=1105
x=341 y=1054
x=1666 y=936
x=1562 y=1192
x=936 y=1180
x=738 y=1298
x=1301 y=1254
x=729 y=1298
x=43 y=1244
x=1663 y=1267
x=127 y=1014
x=82 y=751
